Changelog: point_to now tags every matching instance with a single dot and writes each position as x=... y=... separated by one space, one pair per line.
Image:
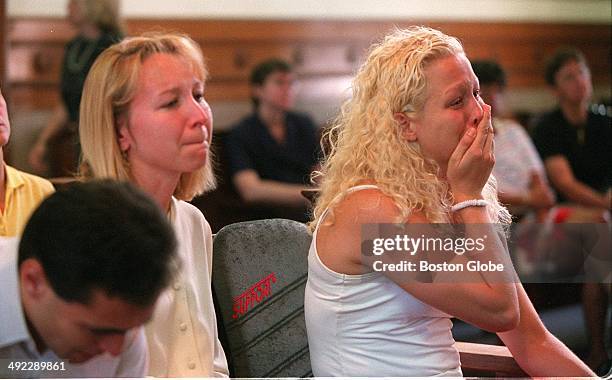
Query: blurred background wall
x=325 y=40
x=574 y=11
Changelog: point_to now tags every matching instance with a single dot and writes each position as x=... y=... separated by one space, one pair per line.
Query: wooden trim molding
x=321 y=50
x=487 y=360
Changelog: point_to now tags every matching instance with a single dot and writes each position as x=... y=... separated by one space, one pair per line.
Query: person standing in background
x=98 y=25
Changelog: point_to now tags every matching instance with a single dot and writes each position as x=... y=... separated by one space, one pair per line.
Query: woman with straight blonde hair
x=144 y=119
x=414 y=147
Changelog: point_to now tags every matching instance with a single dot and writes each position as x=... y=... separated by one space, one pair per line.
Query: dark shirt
x=588 y=148
x=250 y=146
x=79 y=56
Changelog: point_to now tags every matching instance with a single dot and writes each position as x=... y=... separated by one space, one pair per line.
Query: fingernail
x=471 y=132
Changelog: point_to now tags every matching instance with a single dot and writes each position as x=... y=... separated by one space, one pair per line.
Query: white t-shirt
x=515 y=158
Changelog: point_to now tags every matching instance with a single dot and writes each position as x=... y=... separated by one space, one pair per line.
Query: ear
x=123 y=134
x=406 y=126
x=256 y=91
x=33 y=280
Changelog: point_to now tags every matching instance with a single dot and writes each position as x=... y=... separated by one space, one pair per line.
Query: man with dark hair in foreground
x=82 y=281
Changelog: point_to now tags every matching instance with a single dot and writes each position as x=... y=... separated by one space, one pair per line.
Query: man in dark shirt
x=576 y=146
x=575 y=142
x=272 y=152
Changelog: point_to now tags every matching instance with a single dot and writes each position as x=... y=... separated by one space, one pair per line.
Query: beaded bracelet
x=469 y=203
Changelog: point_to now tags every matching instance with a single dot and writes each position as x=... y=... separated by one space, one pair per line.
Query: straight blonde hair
x=110 y=87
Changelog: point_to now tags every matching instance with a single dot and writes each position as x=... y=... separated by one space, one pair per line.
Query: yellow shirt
x=24 y=192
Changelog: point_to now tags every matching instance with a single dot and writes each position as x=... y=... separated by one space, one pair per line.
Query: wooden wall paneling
x=324 y=51
x=47 y=30
x=29 y=97
x=236 y=60
x=327 y=59
x=40 y=63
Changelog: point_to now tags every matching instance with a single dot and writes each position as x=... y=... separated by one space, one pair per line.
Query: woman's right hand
x=36 y=158
x=470 y=165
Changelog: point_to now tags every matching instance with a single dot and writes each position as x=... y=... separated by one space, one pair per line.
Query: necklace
x=75 y=62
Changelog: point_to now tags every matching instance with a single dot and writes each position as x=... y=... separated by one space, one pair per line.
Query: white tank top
x=366 y=325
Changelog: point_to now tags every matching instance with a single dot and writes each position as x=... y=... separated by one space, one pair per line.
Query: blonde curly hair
x=365 y=142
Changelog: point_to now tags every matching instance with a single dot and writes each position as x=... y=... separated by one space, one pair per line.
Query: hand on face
x=470 y=164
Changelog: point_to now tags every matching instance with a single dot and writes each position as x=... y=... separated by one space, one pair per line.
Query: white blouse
x=182 y=336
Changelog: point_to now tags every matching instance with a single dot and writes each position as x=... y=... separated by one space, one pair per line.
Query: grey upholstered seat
x=259 y=273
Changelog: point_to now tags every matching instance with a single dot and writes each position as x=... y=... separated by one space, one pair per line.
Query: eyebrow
x=112 y=330
x=177 y=89
x=171 y=90
x=462 y=86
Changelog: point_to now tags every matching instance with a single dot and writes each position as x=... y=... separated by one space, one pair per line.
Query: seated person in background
x=20 y=193
x=272 y=152
x=414 y=145
x=521 y=179
x=574 y=142
x=84 y=278
x=576 y=145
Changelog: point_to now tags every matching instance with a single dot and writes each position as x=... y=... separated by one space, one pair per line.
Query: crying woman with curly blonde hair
x=414 y=147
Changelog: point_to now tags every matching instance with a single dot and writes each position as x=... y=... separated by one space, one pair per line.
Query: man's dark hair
x=559 y=59
x=102 y=235
x=261 y=72
x=489 y=72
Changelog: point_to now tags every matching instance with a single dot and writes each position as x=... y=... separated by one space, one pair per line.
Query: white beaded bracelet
x=469 y=203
